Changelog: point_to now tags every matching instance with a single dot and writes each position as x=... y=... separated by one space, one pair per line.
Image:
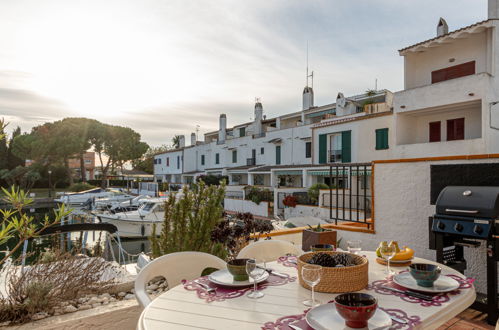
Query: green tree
x=4 y=150
x=176 y=142
x=146 y=162
x=14 y=161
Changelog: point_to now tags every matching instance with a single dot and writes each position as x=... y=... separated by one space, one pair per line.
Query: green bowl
x=237 y=268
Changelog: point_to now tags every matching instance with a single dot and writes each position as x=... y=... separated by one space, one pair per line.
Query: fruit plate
x=397 y=263
x=442 y=284
x=223 y=277
x=325 y=317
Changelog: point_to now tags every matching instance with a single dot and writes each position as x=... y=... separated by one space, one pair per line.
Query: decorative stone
x=106 y=295
x=132 y=291
x=70 y=309
x=84 y=307
x=82 y=300
x=129 y=296
x=153 y=287
x=122 y=294
x=106 y=302
x=39 y=316
x=149 y=291
x=96 y=305
x=94 y=300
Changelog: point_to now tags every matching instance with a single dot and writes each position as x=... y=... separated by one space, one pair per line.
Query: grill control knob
x=440 y=225
x=458 y=227
x=477 y=229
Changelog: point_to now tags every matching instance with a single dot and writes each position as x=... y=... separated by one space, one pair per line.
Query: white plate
x=325 y=317
x=397 y=261
x=223 y=277
x=442 y=284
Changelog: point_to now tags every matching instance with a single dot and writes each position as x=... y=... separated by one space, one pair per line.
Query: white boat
x=138 y=223
x=89 y=196
x=115 y=205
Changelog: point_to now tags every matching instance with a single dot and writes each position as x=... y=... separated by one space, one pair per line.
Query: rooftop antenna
x=309 y=75
x=376 y=84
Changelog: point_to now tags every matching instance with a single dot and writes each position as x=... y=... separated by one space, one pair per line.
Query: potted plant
x=318 y=235
x=290 y=201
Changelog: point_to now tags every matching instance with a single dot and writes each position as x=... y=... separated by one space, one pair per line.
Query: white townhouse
x=169 y=165
x=449 y=105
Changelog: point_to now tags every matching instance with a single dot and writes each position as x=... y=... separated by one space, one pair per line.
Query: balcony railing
x=334 y=156
x=259 y=135
x=250 y=161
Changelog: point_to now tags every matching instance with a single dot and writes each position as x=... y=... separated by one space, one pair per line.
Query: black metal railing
x=350 y=193
x=334 y=156
x=250 y=161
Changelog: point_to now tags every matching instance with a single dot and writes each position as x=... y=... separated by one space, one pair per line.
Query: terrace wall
x=240 y=205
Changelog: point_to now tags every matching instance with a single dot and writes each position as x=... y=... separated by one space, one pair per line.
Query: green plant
x=16 y=224
x=37 y=295
x=314 y=192
x=80 y=186
x=190 y=216
x=258 y=195
x=318 y=229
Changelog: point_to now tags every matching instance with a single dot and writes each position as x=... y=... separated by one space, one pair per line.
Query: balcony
x=334 y=156
x=259 y=135
x=250 y=161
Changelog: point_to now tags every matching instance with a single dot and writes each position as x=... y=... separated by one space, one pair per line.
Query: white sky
x=162 y=67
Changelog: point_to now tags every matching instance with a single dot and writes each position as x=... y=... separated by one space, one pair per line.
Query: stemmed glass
x=354 y=246
x=311 y=274
x=255 y=269
x=388 y=251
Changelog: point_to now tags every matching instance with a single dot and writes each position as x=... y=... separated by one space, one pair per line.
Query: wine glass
x=354 y=246
x=255 y=269
x=311 y=274
x=388 y=252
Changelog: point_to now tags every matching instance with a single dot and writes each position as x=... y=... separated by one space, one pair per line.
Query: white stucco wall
x=418 y=66
x=239 y=205
x=173 y=168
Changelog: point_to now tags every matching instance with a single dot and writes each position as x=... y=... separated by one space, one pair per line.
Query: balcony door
x=335 y=147
x=455 y=129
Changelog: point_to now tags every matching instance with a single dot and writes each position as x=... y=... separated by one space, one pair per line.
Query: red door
x=435 y=131
x=455 y=129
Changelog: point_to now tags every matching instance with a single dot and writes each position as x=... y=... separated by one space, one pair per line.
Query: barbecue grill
x=467 y=217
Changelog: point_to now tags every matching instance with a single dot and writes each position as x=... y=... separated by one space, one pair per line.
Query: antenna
x=376 y=84
x=306 y=83
x=309 y=75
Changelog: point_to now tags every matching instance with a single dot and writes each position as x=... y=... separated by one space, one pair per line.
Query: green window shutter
x=278 y=155
x=217 y=158
x=242 y=131
x=234 y=156
x=202 y=159
x=346 y=147
x=322 y=148
x=382 y=139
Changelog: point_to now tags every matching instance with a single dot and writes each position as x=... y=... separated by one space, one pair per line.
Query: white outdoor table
x=182 y=309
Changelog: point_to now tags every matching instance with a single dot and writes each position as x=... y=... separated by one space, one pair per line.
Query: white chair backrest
x=268 y=250
x=174 y=267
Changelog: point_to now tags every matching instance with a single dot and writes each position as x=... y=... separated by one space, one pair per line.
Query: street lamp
x=50 y=184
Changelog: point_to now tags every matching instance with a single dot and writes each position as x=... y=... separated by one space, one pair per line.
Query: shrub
x=258 y=195
x=314 y=192
x=80 y=186
x=290 y=201
x=189 y=218
x=212 y=179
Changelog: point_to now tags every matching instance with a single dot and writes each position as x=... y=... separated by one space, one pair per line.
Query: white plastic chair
x=268 y=250
x=174 y=267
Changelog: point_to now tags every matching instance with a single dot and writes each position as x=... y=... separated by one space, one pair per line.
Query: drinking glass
x=311 y=274
x=354 y=246
x=388 y=252
x=255 y=269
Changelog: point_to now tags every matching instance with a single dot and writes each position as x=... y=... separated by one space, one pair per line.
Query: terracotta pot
x=310 y=237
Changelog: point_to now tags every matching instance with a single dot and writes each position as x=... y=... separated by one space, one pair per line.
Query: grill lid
x=469 y=201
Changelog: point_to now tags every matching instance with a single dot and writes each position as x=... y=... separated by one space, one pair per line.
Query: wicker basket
x=340 y=279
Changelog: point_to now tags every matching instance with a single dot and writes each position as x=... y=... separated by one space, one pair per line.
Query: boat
x=139 y=223
x=87 y=197
x=112 y=205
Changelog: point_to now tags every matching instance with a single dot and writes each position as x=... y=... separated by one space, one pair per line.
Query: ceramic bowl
x=322 y=247
x=425 y=274
x=237 y=268
x=356 y=308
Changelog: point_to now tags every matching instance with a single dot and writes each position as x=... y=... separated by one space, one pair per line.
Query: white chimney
x=222 y=132
x=258 y=117
x=193 y=139
x=308 y=98
x=181 y=143
x=442 y=27
x=493 y=9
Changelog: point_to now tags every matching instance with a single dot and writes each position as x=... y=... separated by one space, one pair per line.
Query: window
x=178 y=161
x=382 y=139
x=335 y=147
x=217 y=158
x=202 y=159
x=308 y=149
x=278 y=155
x=234 y=156
x=453 y=72
x=242 y=131
x=155 y=161
x=434 y=131
x=455 y=129
x=88 y=161
x=262 y=150
x=167 y=161
x=159 y=160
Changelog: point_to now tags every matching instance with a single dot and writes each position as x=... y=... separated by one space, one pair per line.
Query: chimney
x=222 y=132
x=308 y=98
x=181 y=143
x=442 y=27
x=493 y=9
x=258 y=117
x=193 y=139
